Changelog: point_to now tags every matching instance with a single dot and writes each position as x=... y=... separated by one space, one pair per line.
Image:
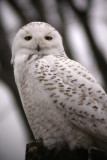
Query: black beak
x=38 y=48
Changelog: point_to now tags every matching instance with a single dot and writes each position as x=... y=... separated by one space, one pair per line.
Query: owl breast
x=39 y=92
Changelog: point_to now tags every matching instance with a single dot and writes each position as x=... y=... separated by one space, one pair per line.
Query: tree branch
x=100 y=60
x=6 y=72
x=40 y=8
x=18 y=10
x=63 y=29
x=37 y=151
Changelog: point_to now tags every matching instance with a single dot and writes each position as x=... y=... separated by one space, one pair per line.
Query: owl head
x=37 y=38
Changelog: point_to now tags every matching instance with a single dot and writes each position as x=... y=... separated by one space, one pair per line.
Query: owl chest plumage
x=51 y=99
x=37 y=87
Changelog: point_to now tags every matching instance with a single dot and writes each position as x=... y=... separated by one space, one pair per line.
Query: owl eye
x=28 y=38
x=48 y=38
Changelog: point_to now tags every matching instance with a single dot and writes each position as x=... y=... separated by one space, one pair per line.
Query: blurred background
x=83 y=26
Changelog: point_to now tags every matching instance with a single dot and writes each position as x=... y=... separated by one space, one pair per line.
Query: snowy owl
x=63 y=102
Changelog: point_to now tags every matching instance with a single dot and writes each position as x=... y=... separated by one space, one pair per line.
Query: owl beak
x=38 y=48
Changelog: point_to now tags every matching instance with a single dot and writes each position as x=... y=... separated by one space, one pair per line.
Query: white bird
x=62 y=100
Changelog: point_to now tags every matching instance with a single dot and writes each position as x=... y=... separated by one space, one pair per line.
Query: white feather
x=61 y=99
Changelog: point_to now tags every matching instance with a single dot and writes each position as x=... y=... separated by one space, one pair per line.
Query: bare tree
x=39 y=14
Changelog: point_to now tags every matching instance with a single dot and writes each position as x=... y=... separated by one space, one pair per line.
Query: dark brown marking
x=44 y=74
x=40 y=77
x=70 y=95
x=69 y=76
x=73 y=81
x=39 y=72
x=36 y=65
x=45 y=79
x=86 y=113
x=67 y=94
x=89 y=92
x=70 y=108
x=92 y=116
x=81 y=85
x=89 y=78
x=41 y=68
x=79 y=72
x=61 y=103
x=29 y=57
x=61 y=85
x=95 y=107
x=99 y=91
x=84 y=75
x=61 y=90
x=52 y=94
x=89 y=89
x=80 y=104
x=51 y=88
x=81 y=111
x=67 y=90
x=55 y=101
x=88 y=103
x=48 y=83
x=74 y=92
x=94 y=125
x=64 y=115
x=103 y=119
x=100 y=97
x=62 y=69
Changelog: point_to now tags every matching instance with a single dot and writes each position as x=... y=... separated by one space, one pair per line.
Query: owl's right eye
x=28 y=38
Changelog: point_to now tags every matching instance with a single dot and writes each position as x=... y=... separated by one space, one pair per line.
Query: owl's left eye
x=28 y=38
x=48 y=38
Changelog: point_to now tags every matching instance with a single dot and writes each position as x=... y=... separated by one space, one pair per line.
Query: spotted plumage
x=62 y=100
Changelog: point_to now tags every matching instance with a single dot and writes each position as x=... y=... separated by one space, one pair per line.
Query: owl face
x=37 y=38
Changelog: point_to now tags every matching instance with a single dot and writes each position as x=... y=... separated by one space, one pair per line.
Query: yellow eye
x=48 y=38
x=28 y=38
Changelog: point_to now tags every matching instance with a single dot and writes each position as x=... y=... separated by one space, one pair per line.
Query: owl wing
x=77 y=95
